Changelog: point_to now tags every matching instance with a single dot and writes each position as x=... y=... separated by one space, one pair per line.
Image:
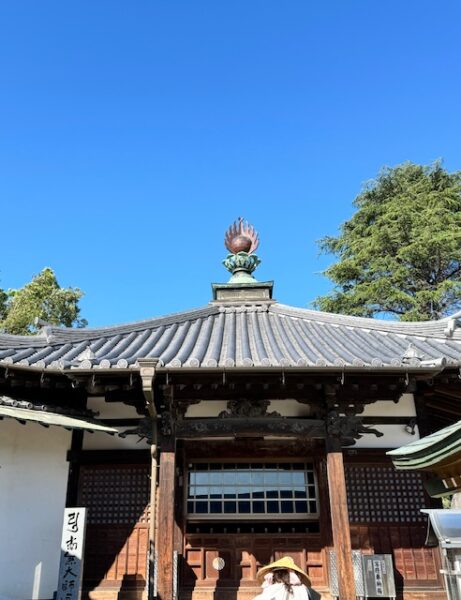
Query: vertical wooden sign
x=71 y=563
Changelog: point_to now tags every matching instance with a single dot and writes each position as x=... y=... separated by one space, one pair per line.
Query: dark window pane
x=230 y=507
x=258 y=494
x=272 y=494
x=216 y=507
x=244 y=494
x=287 y=507
x=190 y=507
x=258 y=507
x=244 y=507
x=201 y=507
x=312 y=506
x=286 y=494
x=229 y=494
x=272 y=507
x=301 y=507
x=300 y=493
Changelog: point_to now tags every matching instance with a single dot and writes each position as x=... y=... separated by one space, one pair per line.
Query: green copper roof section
x=429 y=450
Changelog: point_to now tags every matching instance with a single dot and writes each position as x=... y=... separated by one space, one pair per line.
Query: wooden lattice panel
x=117 y=499
x=116 y=494
x=380 y=494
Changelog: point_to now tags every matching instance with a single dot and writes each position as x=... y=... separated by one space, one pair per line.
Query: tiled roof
x=241 y=336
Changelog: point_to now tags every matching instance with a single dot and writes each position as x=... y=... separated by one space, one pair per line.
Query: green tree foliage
x=42 y=298
x=400 y=253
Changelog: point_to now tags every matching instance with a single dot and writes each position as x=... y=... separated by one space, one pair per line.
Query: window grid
x=380 y=494
x=240 y=490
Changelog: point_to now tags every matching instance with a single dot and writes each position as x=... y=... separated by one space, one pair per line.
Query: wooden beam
x=340 y=524
x=241 y=427
x=165 y=524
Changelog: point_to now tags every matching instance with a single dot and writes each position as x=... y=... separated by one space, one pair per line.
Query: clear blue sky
x=133 y=133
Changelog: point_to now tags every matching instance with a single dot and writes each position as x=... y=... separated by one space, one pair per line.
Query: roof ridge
x=54 y=334
x=422 y=328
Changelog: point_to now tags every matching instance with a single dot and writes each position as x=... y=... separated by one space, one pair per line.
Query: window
x=238 y=491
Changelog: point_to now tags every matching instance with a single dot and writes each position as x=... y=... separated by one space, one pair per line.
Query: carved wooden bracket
x=348 y=427
x=145 y=430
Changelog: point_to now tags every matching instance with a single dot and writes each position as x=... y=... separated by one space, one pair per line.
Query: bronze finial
x=241 y=237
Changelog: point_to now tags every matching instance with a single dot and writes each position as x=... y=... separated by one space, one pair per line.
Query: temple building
x=207 y=443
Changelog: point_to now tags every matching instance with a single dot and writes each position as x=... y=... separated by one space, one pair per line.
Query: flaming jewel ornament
x=241 y=239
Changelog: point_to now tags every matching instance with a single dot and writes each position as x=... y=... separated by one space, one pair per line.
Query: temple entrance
x=240 y=514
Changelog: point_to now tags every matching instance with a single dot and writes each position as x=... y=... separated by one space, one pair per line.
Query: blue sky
x=133 y=133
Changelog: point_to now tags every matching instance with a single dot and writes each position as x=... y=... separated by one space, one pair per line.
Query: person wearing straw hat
x=283 y=580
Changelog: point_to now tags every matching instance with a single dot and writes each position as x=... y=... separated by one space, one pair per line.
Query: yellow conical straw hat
x=283 y=563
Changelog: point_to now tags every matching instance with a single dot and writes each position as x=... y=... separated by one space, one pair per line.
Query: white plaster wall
x=33 y=483
x=394 y=437
x=112 y=410
x=405 y=407
x=104 y=441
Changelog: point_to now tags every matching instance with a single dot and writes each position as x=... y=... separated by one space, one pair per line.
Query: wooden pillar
x=340 y=521
x=165 y=522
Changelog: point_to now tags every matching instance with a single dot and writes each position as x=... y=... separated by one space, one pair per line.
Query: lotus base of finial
x=242 y=261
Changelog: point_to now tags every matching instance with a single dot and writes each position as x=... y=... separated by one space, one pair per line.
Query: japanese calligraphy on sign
x=71 y=564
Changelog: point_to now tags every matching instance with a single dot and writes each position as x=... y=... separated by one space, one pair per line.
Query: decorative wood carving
x=144 y=430
x=243 y=407
x=347 y=428
x=255 y=427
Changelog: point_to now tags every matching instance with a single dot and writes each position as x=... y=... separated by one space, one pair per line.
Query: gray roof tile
x=228 y=336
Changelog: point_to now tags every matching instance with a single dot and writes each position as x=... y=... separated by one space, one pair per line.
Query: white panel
x=33 y=483
x=394 y=437
x=290 y=408
x=112 y=410
x=104 y=441
x=206 y=408
x=385 y=408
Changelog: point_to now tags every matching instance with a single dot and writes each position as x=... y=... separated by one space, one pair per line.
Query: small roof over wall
x=438 y=453
x=23 y=411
